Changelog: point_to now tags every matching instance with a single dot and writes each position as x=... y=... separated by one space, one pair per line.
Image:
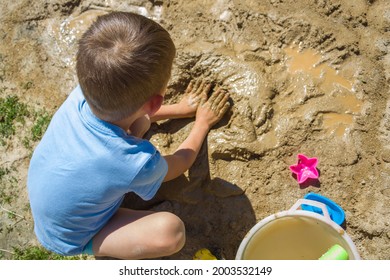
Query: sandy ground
x=305 y=76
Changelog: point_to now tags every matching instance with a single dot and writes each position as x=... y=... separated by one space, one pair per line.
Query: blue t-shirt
x=79 y=173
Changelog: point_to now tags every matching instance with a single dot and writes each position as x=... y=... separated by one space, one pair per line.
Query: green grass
x=12 y=111
x=7 y=183
x=24 y=125
x=3 y=172
x=40 y=253
x=42 y=120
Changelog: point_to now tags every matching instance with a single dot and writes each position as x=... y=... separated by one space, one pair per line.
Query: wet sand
x=307 y=77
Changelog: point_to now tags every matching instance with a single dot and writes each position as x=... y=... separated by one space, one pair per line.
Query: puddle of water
x=337 y=123
x=308 y=61
x=349 y=102
x=330 y=81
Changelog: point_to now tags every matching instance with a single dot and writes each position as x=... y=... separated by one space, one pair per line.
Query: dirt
x=308 y=77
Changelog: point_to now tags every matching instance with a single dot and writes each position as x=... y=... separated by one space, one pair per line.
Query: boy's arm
x=173 y=111
x=187 y=106
x=208 y=113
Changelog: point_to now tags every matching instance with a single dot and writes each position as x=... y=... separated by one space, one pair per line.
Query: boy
x=93 y=152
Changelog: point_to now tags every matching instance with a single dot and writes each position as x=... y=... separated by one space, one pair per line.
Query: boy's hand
x=192 y=97
x=212 y=110
x=209 y=112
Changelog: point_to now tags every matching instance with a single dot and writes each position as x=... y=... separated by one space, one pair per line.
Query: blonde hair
x=123 y=60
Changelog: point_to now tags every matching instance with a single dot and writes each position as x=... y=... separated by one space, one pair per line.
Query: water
x=308 y=61
x=336 y=86
x=293 y=238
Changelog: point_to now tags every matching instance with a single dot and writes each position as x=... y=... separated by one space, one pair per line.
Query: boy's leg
x=133 y=234
x=140 y=126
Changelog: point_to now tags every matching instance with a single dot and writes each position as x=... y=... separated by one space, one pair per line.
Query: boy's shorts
x=88 y=248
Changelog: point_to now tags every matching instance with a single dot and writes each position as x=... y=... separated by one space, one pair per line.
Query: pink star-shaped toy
x=305 y=169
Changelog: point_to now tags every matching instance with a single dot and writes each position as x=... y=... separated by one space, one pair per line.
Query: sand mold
x=241 y=175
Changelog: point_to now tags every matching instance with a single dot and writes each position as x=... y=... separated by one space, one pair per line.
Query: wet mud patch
x=304 y=77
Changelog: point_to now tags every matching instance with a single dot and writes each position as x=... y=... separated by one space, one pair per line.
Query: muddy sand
x=308 y=77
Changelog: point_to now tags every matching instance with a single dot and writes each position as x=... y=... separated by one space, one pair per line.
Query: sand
x=308 y=77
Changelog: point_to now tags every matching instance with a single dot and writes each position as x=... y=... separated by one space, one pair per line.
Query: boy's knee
x=172 y=232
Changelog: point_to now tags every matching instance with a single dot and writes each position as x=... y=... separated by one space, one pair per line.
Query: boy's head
x=123 y=60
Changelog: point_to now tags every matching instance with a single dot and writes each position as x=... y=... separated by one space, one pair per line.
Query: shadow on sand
x=217 y=214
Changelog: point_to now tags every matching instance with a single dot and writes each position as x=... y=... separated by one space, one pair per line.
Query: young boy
x=93 y=153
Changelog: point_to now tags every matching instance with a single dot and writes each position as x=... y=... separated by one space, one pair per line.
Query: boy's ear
x=154 y=104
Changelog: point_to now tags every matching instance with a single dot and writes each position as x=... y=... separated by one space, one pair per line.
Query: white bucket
x=295 y=235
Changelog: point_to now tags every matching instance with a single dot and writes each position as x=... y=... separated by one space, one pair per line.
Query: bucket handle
x=311 y=203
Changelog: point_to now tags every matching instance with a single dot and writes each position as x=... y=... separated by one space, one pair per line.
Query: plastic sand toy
x=336 y=213
x=305 y=168
x=204 y=254
x=336 y=252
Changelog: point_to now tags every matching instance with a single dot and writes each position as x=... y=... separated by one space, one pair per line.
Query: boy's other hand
x=210 y=111
x=192 y=97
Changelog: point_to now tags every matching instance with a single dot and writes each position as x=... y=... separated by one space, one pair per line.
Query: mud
x=307 y=77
